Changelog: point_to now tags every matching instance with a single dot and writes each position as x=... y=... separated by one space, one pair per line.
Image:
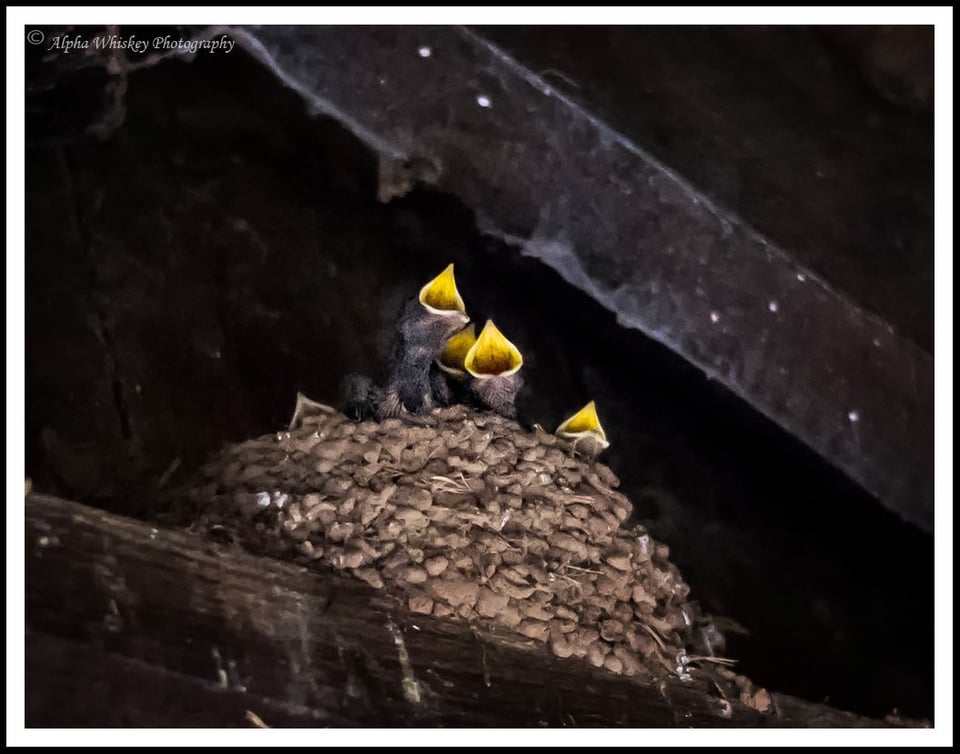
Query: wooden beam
x=134 y=625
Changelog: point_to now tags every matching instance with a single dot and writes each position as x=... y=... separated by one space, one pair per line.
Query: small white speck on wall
x=801 y=277
x=425 y=52
x=714 y=317
x=483 y=100
x=772 y=306
x=853 y=416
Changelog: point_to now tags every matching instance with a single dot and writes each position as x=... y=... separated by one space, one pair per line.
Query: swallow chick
x=451 y=380
x=423 y=330
x=585 y=431
x=359 y=398
x=493 y=363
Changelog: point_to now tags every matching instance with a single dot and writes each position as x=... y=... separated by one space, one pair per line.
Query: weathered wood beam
x=133 y=625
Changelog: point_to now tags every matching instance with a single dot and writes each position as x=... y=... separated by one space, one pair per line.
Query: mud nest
x=464 y=515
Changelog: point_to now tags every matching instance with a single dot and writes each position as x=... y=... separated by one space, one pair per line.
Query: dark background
x=200 y=247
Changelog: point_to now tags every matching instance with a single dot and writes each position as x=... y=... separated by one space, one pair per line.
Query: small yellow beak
x=492 y=355
x=455 y=352
x=584 y=423
x=440 y=295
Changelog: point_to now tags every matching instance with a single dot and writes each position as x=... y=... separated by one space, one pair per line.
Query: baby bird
x=425 y=326
x=493 y=363
x=451 y=378
x=359 y=397
x=584 y=429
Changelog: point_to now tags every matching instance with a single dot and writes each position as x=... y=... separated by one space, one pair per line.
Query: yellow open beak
x=440 y=295
x=492 y=355
x=584 y=423
x=455 y=352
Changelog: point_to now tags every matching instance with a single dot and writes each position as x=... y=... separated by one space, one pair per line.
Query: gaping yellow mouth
x=440 y=295
x=492 y=355
x=582 y=424
x=455 y=352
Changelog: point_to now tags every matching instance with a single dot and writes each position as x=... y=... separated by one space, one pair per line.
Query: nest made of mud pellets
x=461 y=514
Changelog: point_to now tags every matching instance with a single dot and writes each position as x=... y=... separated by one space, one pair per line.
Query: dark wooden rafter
x=133 y=625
